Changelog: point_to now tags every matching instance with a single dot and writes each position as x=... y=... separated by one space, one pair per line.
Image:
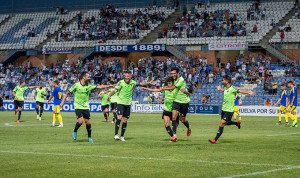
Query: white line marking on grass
x=31 y=125
x=143 y=158
x=283 y=134
x=264 y=172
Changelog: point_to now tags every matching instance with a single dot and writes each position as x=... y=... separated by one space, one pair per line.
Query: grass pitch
x=259 y=149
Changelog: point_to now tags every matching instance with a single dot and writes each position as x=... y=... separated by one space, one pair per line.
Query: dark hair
x=227 y=78
x=127 y=72
x=176 y=69
x=111 y=82
x=283 y=85
x=56 y=81
x=169 y=79
x=82 y=74
x=291 y=82
x=21 y=81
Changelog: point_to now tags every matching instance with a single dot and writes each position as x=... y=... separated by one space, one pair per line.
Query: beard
x=87 y=81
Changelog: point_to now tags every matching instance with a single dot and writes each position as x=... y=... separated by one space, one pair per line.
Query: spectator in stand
x=288 y=28
x=203 y=99
x=7 y=94
x=268 y=102
x=207 y=97
x=211 y=77
x=274 y=87
x=281 y=28
x=282 y=37
x=1 y=102
x=254 y=30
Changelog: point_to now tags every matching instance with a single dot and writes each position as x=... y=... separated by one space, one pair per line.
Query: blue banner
x=68 y=107
x=130 y=48
x=96 y=107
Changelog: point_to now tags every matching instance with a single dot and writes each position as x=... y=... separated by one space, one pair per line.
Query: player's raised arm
x=63 y=99
x=111 y=94
x=150 y=89
x=169 y=88
x=104 y=86
x=101 y=94
x=147 y=83
x=33 y=87
x=220 y=89
x=246 y=92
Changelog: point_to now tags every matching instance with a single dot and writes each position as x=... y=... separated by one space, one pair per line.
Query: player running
x=40 y=92
x=18 y=93
x=293 y=103
x=104 y=103
x=81 y=91
x=230 y=93
x=169 y=98
x=181 y=102
x=283 y=99
x=57 y=95
x=125 y=88
x=113 y=104
x=237 y=103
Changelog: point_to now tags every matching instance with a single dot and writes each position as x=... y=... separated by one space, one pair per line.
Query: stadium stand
x=29 y=30
x=220 y=18
x=131 y=25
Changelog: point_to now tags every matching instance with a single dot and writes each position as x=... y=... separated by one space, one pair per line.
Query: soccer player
x=293 y=103
x=169 y=98
x=57 y=95
x=125 y=88
x=237 y=103
x=181 y=102
x=40 y=92
x=230 y=93
x=18 y=93
x=283 y=99
x=113 y=104
x=81 y=91
x=104 y=103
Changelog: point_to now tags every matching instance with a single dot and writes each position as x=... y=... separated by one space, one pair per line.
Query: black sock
x=231 y=123
x=123 y=129
x=117 y=126
x=115 y=116
x=105 y=116
x=174 y=126
x=170 y=132
x=219 y=133
x=77 y=126
x=186 y=123
x=89 y=130
x=37 y=111
x=41 y=112
x=19 y=116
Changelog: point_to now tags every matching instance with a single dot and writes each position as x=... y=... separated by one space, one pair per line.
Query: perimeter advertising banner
x=226 y=46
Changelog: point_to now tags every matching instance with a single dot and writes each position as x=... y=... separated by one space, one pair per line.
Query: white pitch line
x=143 y=158
x=283 y=134
x=264 y=172
x=9 y=125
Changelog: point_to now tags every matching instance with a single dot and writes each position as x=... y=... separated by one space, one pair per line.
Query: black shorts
x=85 y=113
x=39 y=104
x=123 y=110
x=183 y=108
x=18 y=104
x=169 y=114
x=226 y=116
x=104 y=107
x=113 y=106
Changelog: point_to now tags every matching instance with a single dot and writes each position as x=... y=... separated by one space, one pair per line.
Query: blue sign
x=130 y=48
x=68 y=107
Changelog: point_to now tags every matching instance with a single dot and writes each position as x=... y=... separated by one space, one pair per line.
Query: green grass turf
x=145 y=138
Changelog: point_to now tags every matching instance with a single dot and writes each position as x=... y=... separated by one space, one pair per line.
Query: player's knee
x=125 y=120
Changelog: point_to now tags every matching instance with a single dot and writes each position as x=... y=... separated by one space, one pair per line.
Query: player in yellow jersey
x=57 y=95
x=283 y=103
x=293 y=104
x=237 y=103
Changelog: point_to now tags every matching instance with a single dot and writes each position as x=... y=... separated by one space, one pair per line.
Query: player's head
x=85 y=76
x=41 y=85
x=290 y=84
x=169 y=82
x=282 y=86
x=127 y=76
x=226 y=80
x=175 y=72
x=54 y=83
x=22 y=83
